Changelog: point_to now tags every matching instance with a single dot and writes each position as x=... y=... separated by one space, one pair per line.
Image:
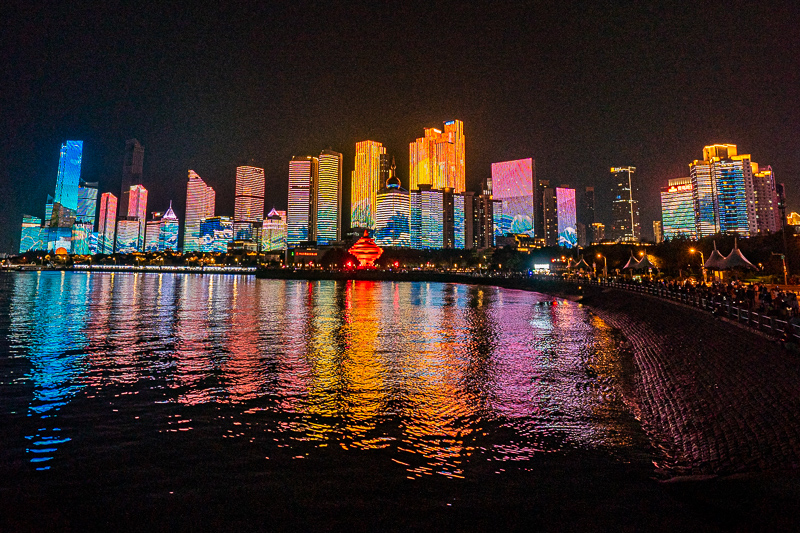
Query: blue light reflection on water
x=435 y=374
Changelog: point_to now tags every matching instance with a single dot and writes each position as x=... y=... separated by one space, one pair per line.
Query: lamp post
x=605 y=265
x=702 y=262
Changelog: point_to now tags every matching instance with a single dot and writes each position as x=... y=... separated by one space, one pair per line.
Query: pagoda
x=366 y=251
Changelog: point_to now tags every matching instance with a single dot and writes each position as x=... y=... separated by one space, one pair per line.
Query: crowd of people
x=757 y=297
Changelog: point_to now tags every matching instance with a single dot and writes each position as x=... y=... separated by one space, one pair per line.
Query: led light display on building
x=392 y=215
x=273 y=232
x=215 y=234
x=497 y=219
x=80 y=238
x=127 y=235
x=427 y=218
x=152 y=229
x=200 y=203
x=302 y=214
x=168 y=231
x=438 y=158
x=106 y=227
x=459 y=222
x=69 y=173
x=565 y=209
x=366 y=180
x=87 y=204
x=329 y=196
x=512 y=182
x=31 y=238
x=677 y=209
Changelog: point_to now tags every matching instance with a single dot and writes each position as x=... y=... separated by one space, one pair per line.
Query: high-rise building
x=598 y=232
x=625 y=225
x=69 y=173
x=31 y=238
x=106 y=227
x=765 y=199
x=79 y=241
x=438 y=158
x=426 y=220
x=329 y=197
x=168 y=231
x=216 y=233
x=366 y=180
x=513 y=182
x=677 y=209
x=248 y=207
x=392 y=213
x=454 y=232
x=565 y=213
x=87 y=204
x=301 y=221
x=137 y=208
x=132 y=164
x=550 y=216
x=658 y=232
x=586 y=214
x=152 y=230
x=128 y=230
x=479 y=211
x=200 y=200
x=273 y=233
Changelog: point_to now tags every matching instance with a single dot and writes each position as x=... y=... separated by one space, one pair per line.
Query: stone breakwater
x=718 y=398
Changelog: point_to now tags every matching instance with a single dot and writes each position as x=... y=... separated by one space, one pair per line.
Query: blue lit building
x=392 y=214
x=69 y=173
x=677 y=209
x=168 y=231
x=722 y=186
x=31 y=238
x=215 y=234
x=127 y=235
x=426 y=218
x=87 y=204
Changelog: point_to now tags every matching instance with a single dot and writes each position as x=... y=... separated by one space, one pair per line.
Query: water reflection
x=433 y=374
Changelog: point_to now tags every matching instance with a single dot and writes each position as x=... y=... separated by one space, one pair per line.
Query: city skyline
x=579 y=90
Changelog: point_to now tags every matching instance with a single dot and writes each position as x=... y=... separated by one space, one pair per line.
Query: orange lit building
x=366 y=180
x=437 y=159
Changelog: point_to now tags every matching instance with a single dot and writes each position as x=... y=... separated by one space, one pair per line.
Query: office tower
x=128 y=230
x=31 y=238
x=658 y=232
x=273 y=233
x=168 y=231
x=513 y=183
x=598 y=232
x=248 y=209
x=137 y=208
x=765 y=199
x=151 y=233
x=79 y=240
x=69 y=173
x=497 y=219
x=200 y=199
x=550 y=216
x=132 y=164
x=438 y=158
x=479 y=209
x=301 y=216
x=469 y=220
x=87 y=204
x=677 y=209
x=93 y=243
x=586 y=213
x=426 y=220
x=106 y=226
x=215 y=234
x=366 y=180
x=329 y=197
x=565 y=214
x=624 y=209
x=48 y=211
x=392 y=213
x=454 y=219
x=583 y=240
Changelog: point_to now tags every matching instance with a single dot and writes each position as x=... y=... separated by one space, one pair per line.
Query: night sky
x=210 y=87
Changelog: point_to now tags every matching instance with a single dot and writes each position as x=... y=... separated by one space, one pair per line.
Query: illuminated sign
x=677 y=188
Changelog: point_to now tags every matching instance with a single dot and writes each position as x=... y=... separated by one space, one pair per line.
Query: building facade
x=438 y=158
x=367 y=178
x=106 y=226
x=200 y=203
x=392 y=214
x=625 y=225
x=329 y=197
x=248 y=206
x=677 y=209
x=514 y=183
x=301 y=216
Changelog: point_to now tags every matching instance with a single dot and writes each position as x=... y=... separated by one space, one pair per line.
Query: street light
x=702 y=262
x=605 y=265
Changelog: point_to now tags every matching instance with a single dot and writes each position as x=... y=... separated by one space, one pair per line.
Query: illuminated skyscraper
x=765 y=199
x=624 y=209
x=200 y=200
x=79 y=241
x=151 y=233
x=366 y=180
x=31 y=234
x=248 y=208
x=438 y=158
x=87 y=204
x=454 y=233
x=137 y=208
x=550 y=216
x=106 y=227
x=273 y=233
x=677 y=209
x=215 y=234
x=426 y=219
x=565 y=212
x=127 y=235
x=391 y=220
x=168 y=231
x=69 y=173
x=723 y=192
x=301 y=215
x=132 y=165
x=513 y=183
x=329 y=197
x=658 y=232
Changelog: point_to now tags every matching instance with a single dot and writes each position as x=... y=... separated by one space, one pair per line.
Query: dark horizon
x=209 y=87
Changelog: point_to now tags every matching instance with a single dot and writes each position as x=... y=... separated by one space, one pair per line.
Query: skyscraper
x=248 y=209
x=624 y=208
x=723 y=188
x=31 y=234
x=137 y=208
x=69 y=173
x=586 y=214
x=273 y=233
x=438 y=158
x=200 y=200
x=765 y=199
x=127 y=235
x=513 y=184
x=426 y=220
x=329 y=197
x=391 y=219
x=301 y=215
x=565 y=212
x=168 y=231
x=132 y=164
x=106 y=227
x=366 y=180
x=87 y=204
x=677 y=209
x=215 y=234
x=151 y=233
